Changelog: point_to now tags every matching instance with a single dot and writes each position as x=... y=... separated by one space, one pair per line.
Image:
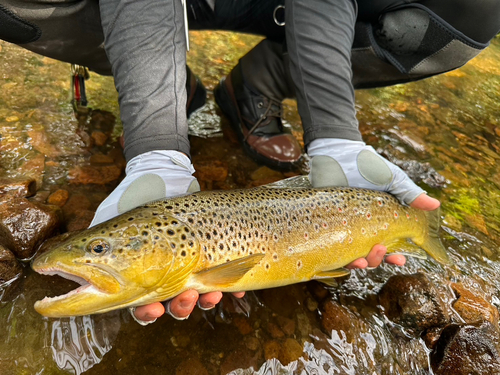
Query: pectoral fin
x=407 y=248
x=224 y=275
x=328 y=277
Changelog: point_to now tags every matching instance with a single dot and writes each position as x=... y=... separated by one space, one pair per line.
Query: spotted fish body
x=229 y=241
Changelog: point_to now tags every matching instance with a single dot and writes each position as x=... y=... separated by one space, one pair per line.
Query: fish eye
x=98 y=247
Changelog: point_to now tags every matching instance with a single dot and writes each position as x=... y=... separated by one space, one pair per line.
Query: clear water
x=450 y=122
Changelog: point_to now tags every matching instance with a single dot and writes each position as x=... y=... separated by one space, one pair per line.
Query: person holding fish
x=316 y=50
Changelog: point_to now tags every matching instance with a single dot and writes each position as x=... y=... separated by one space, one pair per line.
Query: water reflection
x=79 y=343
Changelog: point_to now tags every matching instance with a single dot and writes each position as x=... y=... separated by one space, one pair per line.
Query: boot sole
x=223 y=98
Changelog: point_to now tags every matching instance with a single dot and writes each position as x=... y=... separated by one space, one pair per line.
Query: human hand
x=341 y=162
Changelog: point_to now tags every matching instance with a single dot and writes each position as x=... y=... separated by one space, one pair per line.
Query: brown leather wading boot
x=257 y=122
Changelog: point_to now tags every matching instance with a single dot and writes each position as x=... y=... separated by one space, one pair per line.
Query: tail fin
x=432 y=244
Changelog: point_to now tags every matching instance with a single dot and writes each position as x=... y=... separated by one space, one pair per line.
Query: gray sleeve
x=146 y=45
x=319 y=36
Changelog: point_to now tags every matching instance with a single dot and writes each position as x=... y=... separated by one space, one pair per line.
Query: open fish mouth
x=85 y=285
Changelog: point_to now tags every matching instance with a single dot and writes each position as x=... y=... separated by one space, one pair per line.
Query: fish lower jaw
x=49 y=300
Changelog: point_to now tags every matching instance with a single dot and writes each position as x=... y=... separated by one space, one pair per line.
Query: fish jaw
x=85 y=300
x=99 y=291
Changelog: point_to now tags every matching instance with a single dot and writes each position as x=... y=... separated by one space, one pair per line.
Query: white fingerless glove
x=342 y=162
x=150 y=176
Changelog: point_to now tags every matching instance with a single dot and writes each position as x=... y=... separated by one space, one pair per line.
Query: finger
x=209 y=300
x=150 y=312
x=426 y=203
x=376 y=256
x=358 y=263
x=396 y=259
x=180 y=307
x=239 y=294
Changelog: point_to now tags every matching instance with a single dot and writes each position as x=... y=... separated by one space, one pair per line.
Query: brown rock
x=473 y=308
x=290 y=351
x=9 y=266
x=41 y=143
x=242 y=324
x=287 y=325
x=98 y=159
x=274 y=331
x=211 y=170
x=117 y=155
x=80 y=220
x=99 y=138
x=466 y=350
x=75 y=204
x=191 y=366
x=272 y=349
x=265 y=175
x=58 y=198
x=335 y=317
x=413 y=302
x=251 y=342
x=24 y=225
x=19 y=188
x=239 y=358
x=99 y=175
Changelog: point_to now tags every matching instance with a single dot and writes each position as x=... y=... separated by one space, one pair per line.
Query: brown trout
x=229 y=241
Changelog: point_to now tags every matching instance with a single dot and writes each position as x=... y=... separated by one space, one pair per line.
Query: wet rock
x=19 y=188
x=80 y=220
x=252 y=343
x=191 y=366
x=467 y=349
x=75 y=204
x=58 y=198
x=413 y=302
x=431 y=336
x=265 y=175
x=274 y=331
x=242 y=324
x=335 y=317
x=99 y=159
x=240 y=358
x=9 y=266
x=41 y=143
x=24 y=225
x=290 y=351
x=99 y=138
x=473 y=308
x=210 y=171
x=286 y=325
x=272 y=349
x=99 y=175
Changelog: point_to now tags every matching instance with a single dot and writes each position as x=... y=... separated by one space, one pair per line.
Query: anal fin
x=328 y=277
x=226 y=274
x=407 y=248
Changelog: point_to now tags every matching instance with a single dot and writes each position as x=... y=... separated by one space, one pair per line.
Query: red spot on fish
x=368 y=216
x=344 y=222
x=396 y=215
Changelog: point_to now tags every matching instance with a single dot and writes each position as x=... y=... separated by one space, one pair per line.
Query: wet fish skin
x=229 y=241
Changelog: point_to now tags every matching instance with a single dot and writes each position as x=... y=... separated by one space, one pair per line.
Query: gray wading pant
x=389 y=42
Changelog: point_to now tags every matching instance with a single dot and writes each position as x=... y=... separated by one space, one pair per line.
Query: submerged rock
x=19 y=188
x=413 y=302
x=24 y=225
x=9 y=266
x=467 y=350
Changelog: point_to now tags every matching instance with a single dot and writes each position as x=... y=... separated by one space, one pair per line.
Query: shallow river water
x=449 y=124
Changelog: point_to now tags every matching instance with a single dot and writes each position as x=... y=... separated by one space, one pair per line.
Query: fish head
x=119 y=263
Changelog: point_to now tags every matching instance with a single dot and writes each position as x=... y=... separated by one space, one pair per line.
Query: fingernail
x=207 y=306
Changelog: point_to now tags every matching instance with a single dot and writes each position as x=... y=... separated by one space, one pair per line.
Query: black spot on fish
x=183 y=253
x=145 y=233
x=170 y=232
x=130 y=218
x=158 y=224
x=172 y=245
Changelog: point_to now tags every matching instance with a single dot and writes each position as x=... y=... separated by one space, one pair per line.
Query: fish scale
x=230 y=241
